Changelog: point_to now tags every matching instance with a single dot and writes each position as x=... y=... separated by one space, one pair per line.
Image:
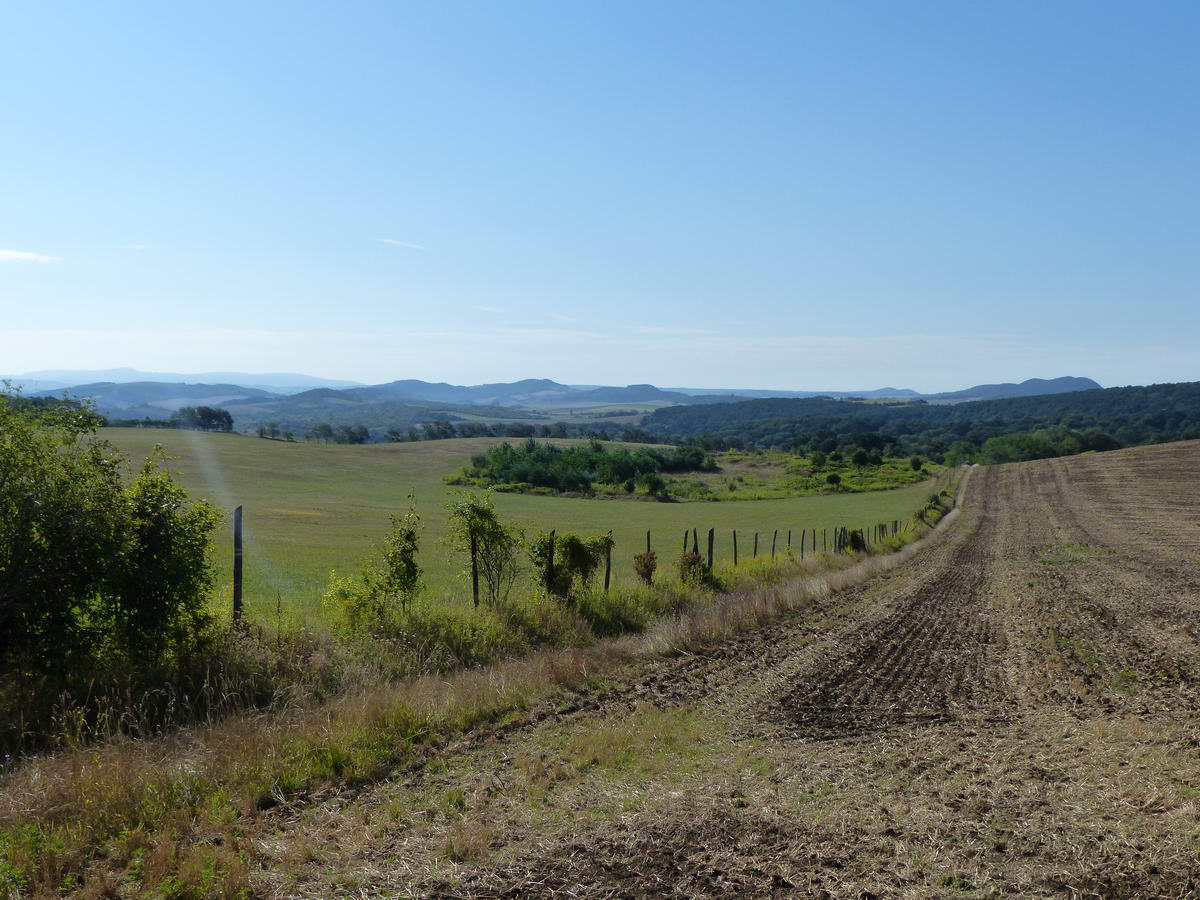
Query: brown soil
x=1013 y=712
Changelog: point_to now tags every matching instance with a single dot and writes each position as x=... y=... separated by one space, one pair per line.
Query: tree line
x=977 y=431
x=196 y=418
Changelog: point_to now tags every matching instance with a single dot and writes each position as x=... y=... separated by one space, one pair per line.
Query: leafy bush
x=692 y=570
x=93 y=573
x=644 y=564
x=103 y=585
x=565 y=564
x=369 y=602
x=474 y=529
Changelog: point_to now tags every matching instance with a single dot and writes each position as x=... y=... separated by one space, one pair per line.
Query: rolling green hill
x=312 y=507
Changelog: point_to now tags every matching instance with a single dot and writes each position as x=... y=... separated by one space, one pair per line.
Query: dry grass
x=178 y=815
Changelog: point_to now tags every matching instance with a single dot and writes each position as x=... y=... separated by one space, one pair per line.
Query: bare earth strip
x=1013 y=712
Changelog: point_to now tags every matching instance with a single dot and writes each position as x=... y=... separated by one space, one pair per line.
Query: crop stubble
x=1013 y=712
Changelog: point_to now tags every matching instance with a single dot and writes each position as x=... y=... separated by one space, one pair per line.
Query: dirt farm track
x=1014 y=711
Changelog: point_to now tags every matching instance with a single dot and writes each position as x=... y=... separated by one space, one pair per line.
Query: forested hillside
x=985 y=430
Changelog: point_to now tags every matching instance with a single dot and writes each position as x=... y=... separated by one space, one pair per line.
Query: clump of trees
x=343 y=434
x=98 y=576
x=202 y=418
x=533 y=464
x=271 y=431
x=193 y=418
x=1044 y=443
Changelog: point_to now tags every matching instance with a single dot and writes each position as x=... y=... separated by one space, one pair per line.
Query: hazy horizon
x=292 y=379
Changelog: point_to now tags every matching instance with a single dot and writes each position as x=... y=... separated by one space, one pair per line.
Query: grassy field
x=312 y=507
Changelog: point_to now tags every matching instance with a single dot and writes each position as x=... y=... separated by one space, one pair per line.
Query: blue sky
x=838 y=195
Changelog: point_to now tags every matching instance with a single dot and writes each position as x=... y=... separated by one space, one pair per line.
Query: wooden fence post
x=735 y=547
x=789 y=546
x=237 y=566
x=475 y=565
x=756 y=545
x=695 y=542
x=774 y=538
x=647 y=540
x=685 y=531
x=608 y=562
x=711 y=535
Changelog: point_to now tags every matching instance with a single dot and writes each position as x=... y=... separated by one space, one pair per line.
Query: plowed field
x=1015 y=711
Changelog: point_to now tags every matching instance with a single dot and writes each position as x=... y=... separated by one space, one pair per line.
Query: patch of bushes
x=575 y=469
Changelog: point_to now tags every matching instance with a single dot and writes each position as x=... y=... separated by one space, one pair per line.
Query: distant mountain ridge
x=274 y=382
x=759 y=393
x=1032 y=387
x=407 y=401
x=157 y=399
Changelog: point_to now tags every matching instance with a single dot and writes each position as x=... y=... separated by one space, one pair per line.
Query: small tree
x=370 y=602
x=915 y=462
x=645 y=564
x=473 y=522
x=565 y=563
x=833 y=479
x=400 y=576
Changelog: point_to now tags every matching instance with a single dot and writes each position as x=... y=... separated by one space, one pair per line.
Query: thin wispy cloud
x=19 y=256
x=488 y=309
x=561 y=318
x=654 y=329
x=137 y=246
x=407 y=244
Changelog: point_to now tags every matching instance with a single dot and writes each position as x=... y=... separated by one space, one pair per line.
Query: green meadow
x=313 y=507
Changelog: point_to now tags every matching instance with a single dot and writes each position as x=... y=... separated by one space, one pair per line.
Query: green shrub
x=691 y=568
x=541 y=621
x=95 y=576
x=564 y=564
x=644 y=564
x=474 y=529
x=615 y=612
x=370 y=602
